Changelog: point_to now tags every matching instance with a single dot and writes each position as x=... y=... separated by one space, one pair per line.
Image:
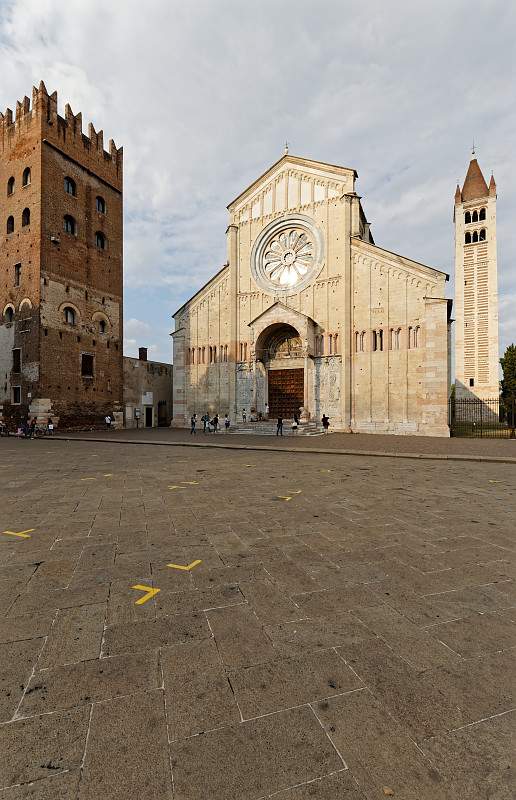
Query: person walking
x=266 y=411
x=193 y=423
x=215 y=423
x=279 y=427
x=227 y=423
x=295 y=423
x=32 y=427
x=325 y=423
x=50 y=426
x=205 y=419
x=107 y=420
x=244 y=416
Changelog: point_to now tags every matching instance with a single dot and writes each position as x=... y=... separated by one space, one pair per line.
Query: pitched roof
x=475 y=184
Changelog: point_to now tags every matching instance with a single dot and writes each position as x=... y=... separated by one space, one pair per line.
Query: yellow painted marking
x=186 y=568
x=298 y=491
x=176 y=487
x=249 y=465
x=326 y=470
x=21 y=534
x=108 y=475
x=150 y=592
x=283 y=497
x=191 y=483
x=495 y=481
x=88 y=479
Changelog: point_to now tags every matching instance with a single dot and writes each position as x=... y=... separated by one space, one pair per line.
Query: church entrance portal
x=286 y=392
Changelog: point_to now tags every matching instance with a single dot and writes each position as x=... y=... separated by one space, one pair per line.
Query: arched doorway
x=281 y=350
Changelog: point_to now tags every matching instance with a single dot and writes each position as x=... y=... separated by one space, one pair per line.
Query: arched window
x=330 y=343
x=357 y=341
x=377 y=340
x=69 y=224
x=335 y=343
x=9 y=314
x=474 y=238
x=482 y=214
x=69 y=315
x=100 y=204
x=409 y=337
x=467 y=238
x=474 y=216
x=25 y=217
x=362 y=341
x=467 y=217
x=211 y=354
x=70 y=187
x=417 y=337
x=482 y=235
x=100 y=240
x=26 y=177
x=10 y=224
x=102 y=326
x=10 y=185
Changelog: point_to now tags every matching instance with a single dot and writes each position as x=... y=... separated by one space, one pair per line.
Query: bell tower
x=476 y=287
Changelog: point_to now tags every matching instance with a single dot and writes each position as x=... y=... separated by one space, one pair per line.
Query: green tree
x=508 y=363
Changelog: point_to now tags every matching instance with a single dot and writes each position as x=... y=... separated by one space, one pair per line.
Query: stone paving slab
x=354 y=639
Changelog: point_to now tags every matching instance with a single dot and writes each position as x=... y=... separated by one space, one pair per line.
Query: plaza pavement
x=348 y=634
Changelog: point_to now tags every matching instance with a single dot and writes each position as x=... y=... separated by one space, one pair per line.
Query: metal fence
x=490 y=419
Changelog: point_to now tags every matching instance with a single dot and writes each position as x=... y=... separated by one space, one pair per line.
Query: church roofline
x=360 y=242
x=283 y=305
x=203 y=287
x=299 y=160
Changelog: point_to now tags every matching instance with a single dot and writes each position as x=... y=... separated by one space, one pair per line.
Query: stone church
x=310 y=316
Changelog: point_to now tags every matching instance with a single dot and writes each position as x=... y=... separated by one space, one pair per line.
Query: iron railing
x=494 y=418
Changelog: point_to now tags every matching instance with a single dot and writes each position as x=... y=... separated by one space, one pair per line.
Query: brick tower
x=476 y=287
x=60 y=265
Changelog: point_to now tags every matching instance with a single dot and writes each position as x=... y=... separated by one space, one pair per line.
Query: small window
x=474 y=216
x=474 y=238
x=87 y=365
x=26 y=177
x=362 y=341
x=100 y=240
x=102 y=325
x=16 y=395
x=471 y=382
x=70 y=186
x=467 y=217
x=467 y=238
x=357 y=341
x=17 y=360
x=9 y=314
x=482 y=214
x=25 y=220
x=69 y=315
x=409 y=338
x=100 y=204
x=69 y=225
x=17 y=274
x=10 y=185
x=482 y=235
x=417 y=336
x=377 y=340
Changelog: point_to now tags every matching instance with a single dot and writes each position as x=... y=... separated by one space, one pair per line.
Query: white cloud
x=202 y=96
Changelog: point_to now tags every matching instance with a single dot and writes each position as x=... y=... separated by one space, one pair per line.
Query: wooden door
x=286 y=392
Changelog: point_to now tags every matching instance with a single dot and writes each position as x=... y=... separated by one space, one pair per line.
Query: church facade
x=310 y=316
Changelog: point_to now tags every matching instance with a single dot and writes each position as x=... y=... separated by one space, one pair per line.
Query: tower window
x=474 y=216
x=482 y=214
x=100 y=240
x=482 y=235
x=471 y=382
x=25 y=220
x=69 y=315
x=100 y=205
x=377 y=340
x=9 y=314
x=467 y=217
x=26 y=177
x=17 y=360
x=467 y=238
x=70 y=187
x=474 y=238
x=102 y=326
x=87 y=365
x=16 y=395
x=69 y=225
x=10 y=186
x=17 y=274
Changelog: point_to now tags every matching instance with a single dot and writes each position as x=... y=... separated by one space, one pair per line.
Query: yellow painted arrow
x=283 y=497
x=151 y=591
x=21 y=534
x=176 y=487
x=187 y=567
x=191 y=483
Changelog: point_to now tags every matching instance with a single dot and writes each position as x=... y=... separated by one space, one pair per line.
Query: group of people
x=295 y=424
x=210 y=425
x=28 y=429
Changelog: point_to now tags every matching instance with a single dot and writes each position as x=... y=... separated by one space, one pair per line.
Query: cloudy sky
x=203 y=94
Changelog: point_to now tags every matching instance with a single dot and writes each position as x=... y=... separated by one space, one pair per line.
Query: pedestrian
x=295 y=423
x=279 y=427
x=193 y=423
x=244 y=415
x=266 y=411
x=50 y=426
x=227 y=423
x=325 y=423
x=215 y=423
x=107 y=420
x=205 y=419
x=32 y=427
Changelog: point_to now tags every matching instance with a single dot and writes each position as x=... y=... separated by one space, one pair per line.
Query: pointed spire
x=492 y=186
x=458 y=195
x=475 y=184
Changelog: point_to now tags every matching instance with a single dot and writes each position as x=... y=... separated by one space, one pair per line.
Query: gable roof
x=283 y=305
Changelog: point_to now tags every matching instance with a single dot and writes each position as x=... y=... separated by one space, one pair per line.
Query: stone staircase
x=268 y=428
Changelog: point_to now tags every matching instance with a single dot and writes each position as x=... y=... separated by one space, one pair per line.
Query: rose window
x=288 y=254
x=289 y=258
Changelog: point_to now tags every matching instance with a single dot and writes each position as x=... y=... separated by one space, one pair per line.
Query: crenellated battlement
x=64 y=133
